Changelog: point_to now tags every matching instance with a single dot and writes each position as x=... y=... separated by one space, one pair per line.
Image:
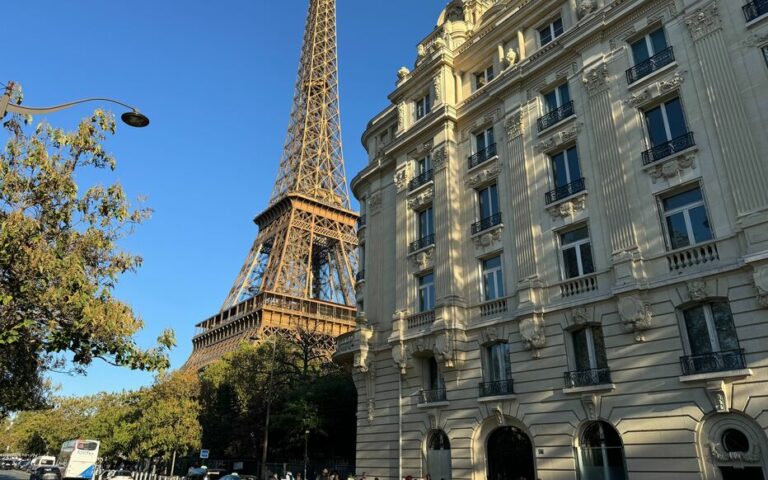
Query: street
x=13 y=475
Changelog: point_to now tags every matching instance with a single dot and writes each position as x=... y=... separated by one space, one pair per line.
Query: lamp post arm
x=10 y=107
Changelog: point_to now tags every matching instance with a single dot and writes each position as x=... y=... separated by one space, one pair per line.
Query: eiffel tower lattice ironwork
x=299 y=274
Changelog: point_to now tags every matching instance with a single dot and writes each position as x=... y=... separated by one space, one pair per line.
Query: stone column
x=447 y=229
x=402 y=229
x=746 y=172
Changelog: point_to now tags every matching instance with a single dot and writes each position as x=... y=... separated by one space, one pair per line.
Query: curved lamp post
x=133 y=118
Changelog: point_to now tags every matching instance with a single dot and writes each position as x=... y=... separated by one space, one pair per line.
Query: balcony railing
x=578 y=285
x=669 y=148
x=432 y=396
x=420 y=320
x=587 y=378
x=647 y=67
x=555 y=116
x=486 y=223
x=482 y=156
x=499 y=387
x=713 y=362
x=423 y=242
x=565 y=191
x=361 y=222
x=755 y=9
x=360 y=276
x=420 y=179
x=493 y=307
x=692 y=256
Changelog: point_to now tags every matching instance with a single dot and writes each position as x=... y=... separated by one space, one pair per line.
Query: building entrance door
x=746 y=473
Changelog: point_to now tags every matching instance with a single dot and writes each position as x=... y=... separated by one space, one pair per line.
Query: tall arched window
x=510 y=455
x=438 y=464
x=601 y=455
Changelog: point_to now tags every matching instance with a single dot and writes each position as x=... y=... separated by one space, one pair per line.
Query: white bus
x=78 y=459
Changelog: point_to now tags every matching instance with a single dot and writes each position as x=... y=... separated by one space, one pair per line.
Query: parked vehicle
x=46 y=473
x=7 y=464
x=41 y=461
x=121 y=475
x=77 y=459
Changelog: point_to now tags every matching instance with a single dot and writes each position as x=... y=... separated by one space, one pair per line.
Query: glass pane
x=655 y=123
x=550 y=101
x=678 y=234
x=675 y=118
x=479 y=80
x=494 y=197
x=586 y=259
x=558 y=27
x=580 y=350
x=489 y=73
x=574 y=171
x=601 y=361
x=726 y=331
x=640 y=51
x=574 y=236
x=696 y=328
x=570 y=264
x=545 y=36
x=658 y=41
x=682 y=199
x=700 y=224
x=500 y=283
x=491 y=263
x=480 y=142
x=558 y=170
x=484 y=199
x=489 y=287
x=565 y=95
x=489 y=137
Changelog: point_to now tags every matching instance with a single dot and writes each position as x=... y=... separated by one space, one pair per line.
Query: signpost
x=204 y=453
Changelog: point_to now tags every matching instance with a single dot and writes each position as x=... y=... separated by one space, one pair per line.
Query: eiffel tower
x=299 y=273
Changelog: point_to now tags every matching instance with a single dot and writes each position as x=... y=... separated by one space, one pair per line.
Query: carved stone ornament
x=671 y=168
x=672 y=83
x=374 y=202
x=510 y=57
x=444 y=352
x=361 y=362
x=761 y=285
x=483 y=176
x=420 y=51
x=755 y=40
x=439 y=158
x=568 y=208
x=401 y=116
x=400 y=357
x=585 y=8
x=371 y=410
x=635 y=315
x=499 y=414
x=557 y=139
x=403 y=72
x=703 y=21
x=596 y=80
x=720 y=455
x=545 y=145
x=532 y=332
x=697 y=290
x=513 y=125
x=437 y=83
x=638 y=99
x=719 y=393
x=402 y=176
x=423 y=259
x=590 y=403
x=580 y=316
x=488 y=238
x=490 y=335
x=422 y=199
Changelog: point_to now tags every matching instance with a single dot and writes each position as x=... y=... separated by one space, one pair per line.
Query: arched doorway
x=438 y=464
x=734 y=447
x=600 y=453
x=510 y=455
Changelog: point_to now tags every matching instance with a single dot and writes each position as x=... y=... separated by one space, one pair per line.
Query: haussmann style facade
x=564 y=246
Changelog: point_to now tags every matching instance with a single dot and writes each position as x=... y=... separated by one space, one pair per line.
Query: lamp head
x=135 y=119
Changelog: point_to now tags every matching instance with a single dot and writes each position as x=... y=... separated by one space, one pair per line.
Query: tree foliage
x=60 y=259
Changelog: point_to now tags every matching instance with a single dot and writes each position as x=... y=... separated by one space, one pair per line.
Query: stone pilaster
x=402 y=229
x=747 y=173
x=447 y=246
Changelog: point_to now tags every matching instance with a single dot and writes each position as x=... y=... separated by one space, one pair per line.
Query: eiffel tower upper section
x=299 y=273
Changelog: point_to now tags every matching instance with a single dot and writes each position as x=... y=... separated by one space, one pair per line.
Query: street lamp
x=133 y=118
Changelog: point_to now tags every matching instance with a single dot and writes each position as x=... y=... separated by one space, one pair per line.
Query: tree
x=60 y=260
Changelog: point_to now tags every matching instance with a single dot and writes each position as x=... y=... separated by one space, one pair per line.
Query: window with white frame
x=556 y=98
x=426 y=226
x=665 y=122
x=685 y=218
x=488 y=201
x=426 y=292
x=576 y=252
x=497 y=364
x=648 y=46
x=549 y=32
x=484 y=140
x=424 y=165
x=423 y=106
x=565 y=167
x=483 y=77
x=493 y=278
x=589 y=349
x=709 y=329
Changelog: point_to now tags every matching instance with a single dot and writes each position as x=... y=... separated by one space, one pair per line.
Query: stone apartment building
x=564 y=246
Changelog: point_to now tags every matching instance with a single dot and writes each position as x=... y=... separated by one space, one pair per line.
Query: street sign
x=204 y=453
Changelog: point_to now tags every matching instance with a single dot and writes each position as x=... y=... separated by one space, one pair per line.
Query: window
x=434 y=377
x=685 y=219
x=576 y=252
x=426 y=225
x=484 y=140
x=483 y=77
x=711 y=337
x=493 y=278
x=488 y=201
x=665 y=122
x=427 y=292
x=509 y=453
x=424 y=165
x=438 y=458
x=497 y=362
x=423 y=106
x=648 y=46
x=601 y=455
x=549 y=32
x=565 y=167
x=589 y=349
x=556 y=98
x=765 y=54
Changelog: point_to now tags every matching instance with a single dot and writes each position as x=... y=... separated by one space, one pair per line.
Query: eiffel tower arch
x=299 y=274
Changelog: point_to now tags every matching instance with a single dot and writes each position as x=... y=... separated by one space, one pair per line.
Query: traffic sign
x=204 y=453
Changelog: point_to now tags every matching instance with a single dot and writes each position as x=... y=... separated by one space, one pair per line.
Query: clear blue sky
x=216 y=78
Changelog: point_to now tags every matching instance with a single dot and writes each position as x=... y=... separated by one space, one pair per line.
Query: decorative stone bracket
x=488 y=237
x=402 y=176
x=423 y=259
x=761 y=285
x=697 y=290
x=422 y=198
x=655 y=90
x=719 y=393
x=556 y=140
x=400 y=357
x=532 y=333
x=443 y=350
x=672 y=167
x=635 y=315
x=361 y=361
x=484 y=175
x=569 y=207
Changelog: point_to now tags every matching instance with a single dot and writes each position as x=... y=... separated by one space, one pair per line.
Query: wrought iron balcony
x=669 y=148
x=432 y=396
x=713 y=362
x=420 y=179
x=482 y=156
x=587 y=378
x=423 y=242
x=360 y=276
x=647 y=67
x=565 y=191
x=498 y=387
x=556 y=115
x=755 y=9
x=486 y=223
x=361 y=222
